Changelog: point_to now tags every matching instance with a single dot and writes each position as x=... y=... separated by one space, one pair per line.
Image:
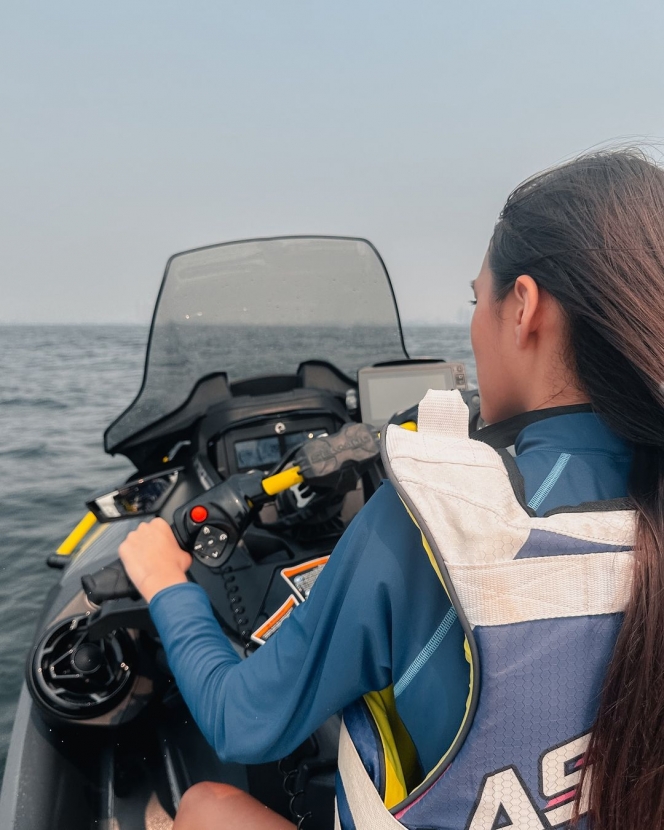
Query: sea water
x=60 y=387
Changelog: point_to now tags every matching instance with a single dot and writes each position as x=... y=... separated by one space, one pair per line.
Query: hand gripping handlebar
x=210 y=526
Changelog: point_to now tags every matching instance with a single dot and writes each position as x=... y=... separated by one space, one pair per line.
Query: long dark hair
x=591 y=233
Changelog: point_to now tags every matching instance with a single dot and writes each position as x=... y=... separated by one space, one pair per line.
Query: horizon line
x=66 y=323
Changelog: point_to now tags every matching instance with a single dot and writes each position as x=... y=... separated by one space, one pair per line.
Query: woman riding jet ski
x=267 y=362
x=491 y=625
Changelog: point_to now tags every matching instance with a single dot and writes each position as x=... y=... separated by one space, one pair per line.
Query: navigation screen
x=385 y=390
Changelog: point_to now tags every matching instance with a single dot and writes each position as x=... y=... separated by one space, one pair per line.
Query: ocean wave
x=44 y=403
x=34 y=451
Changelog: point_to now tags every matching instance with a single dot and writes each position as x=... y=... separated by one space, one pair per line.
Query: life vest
x=540 y=601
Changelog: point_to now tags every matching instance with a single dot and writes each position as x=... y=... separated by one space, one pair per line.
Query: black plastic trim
x=265 y=385
x=411 y=360
x=58 y=560
x=245 y=410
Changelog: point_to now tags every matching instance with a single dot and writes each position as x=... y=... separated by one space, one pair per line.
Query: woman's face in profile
x=495 y=353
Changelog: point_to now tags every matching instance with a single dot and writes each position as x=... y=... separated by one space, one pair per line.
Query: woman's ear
x=527 y=308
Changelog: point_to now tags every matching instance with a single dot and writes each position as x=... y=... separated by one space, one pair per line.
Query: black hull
x=128 y=768
x=133 y=778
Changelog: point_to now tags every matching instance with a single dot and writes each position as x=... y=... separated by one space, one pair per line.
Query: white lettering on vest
x=504 y=801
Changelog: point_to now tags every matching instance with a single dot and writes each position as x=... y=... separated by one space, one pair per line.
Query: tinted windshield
x=262 y=308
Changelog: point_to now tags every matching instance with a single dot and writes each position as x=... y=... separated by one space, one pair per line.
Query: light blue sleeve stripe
x=550 y=481
x=421 y=659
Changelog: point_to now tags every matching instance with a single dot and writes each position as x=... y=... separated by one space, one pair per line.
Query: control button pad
x=212 y=546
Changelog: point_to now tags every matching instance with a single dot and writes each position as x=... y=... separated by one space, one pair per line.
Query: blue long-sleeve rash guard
x=376 y=616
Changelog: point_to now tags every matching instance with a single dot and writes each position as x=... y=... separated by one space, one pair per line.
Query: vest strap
x=545 y=588
x=364 y=801
x=442 y=412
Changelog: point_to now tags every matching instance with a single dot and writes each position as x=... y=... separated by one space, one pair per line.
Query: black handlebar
x=110 y=582
x=211 y=539
x=210 y=526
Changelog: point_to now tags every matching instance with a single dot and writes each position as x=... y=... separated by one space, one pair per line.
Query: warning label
x=301 y=578
x=273 y=623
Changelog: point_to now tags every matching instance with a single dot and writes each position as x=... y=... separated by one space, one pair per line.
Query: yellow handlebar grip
x=77 y=535
x=282 y=481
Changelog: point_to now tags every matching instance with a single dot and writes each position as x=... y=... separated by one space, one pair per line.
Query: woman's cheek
x=485 y=345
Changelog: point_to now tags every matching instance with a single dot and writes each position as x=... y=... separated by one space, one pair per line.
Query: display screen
x=385 y=391
x=263 y=453
x=259 y=452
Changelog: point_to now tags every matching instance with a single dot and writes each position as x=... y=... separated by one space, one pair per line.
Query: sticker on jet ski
x=301 y=578
x=274 y=623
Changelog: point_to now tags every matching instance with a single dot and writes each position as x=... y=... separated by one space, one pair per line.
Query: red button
x=198 y=513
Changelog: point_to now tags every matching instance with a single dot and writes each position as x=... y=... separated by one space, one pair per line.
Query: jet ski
x=271 y=366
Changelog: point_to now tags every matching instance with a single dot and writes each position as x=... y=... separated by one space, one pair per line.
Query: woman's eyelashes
x=473 y=302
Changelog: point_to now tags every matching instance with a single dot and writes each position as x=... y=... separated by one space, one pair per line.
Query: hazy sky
x=132 y=130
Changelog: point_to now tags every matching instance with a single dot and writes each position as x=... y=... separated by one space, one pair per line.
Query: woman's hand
x=153 y=559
